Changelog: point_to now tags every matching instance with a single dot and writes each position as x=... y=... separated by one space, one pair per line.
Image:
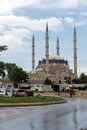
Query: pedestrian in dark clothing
x=71 y=93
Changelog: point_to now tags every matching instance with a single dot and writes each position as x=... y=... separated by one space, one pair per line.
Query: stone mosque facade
x=53 y=66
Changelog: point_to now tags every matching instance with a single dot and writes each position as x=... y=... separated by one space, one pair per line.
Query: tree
x=55 y=87
x=76 y=81
x=8 y=67
x=3 y=48
x=47 y=81
x=17 y=75
x=5 y=68
x=59 y=81
x=2 y=69
x=83 y=78
x=68 y=80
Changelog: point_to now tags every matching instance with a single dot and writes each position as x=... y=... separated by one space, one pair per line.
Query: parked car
x=24 y=93
x=21 y=93
x=2 y=92
x=15 y=88
x=27 y=91
x=8 y=89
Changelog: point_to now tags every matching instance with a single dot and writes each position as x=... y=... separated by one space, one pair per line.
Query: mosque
x=53 y=66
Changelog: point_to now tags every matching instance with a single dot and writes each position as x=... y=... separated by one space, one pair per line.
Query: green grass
x=28 y=99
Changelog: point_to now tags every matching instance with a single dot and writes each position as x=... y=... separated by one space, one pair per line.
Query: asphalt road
x=67 y=116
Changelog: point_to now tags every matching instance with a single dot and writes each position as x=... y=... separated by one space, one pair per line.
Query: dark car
x=21 y=93
x=24 y=92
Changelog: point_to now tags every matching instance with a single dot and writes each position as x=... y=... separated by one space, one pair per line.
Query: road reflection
x=75 y=118
x=69 y=116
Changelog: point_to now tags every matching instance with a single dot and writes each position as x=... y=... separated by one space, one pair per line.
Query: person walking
x=71 y=93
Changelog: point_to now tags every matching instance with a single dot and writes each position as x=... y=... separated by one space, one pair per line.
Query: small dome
x=56 y=57
x=36 y=70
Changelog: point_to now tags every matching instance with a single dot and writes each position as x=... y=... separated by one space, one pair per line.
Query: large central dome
x=55 y=57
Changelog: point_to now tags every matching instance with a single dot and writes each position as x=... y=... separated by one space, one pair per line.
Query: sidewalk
x=78 y=94
x=30 y=104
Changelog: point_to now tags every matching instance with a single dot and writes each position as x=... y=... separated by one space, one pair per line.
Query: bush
x=85 y=86
x=36 y=90
x=82 y=88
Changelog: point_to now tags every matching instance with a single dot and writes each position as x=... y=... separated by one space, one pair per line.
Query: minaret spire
x=75 y=53
x=47 y=50
x=58 y=47
x=33 y=52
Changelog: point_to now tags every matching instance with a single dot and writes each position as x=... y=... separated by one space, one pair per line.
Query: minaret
x=47 y=50
x=33 y=53
x=75 y=53
x=58 y=47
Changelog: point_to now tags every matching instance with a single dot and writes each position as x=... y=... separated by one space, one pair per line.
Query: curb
x=29 y=104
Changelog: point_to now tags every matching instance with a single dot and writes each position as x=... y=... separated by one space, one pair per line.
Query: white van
x=2 y=92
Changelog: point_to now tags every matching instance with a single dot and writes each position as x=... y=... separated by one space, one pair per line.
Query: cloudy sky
x=19 y=19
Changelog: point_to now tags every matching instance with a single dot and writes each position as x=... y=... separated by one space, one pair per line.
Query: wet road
x=67 y=116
